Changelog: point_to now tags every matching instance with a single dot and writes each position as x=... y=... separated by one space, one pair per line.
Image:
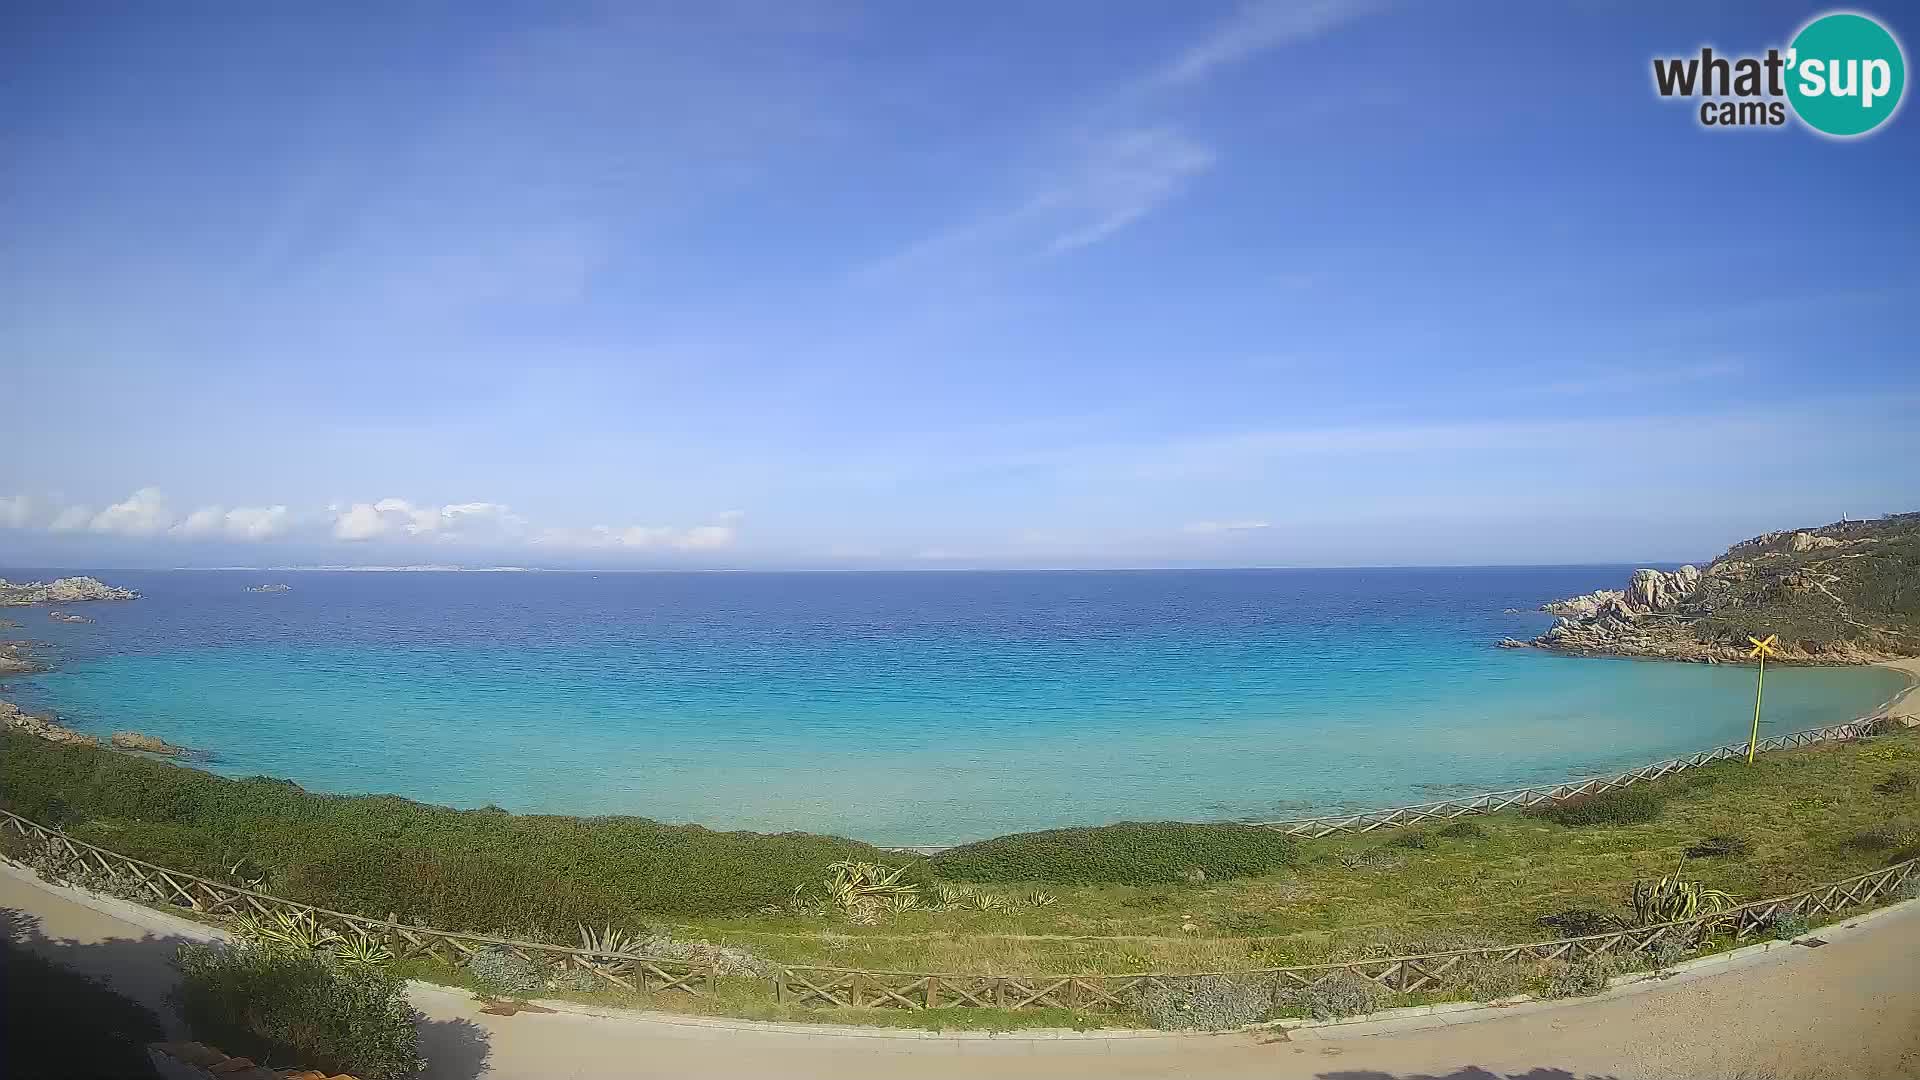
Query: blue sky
x=911 y=285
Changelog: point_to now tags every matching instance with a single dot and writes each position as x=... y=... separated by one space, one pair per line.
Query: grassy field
x=1124 y=898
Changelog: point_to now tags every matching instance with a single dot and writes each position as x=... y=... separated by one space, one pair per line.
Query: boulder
x=134 y=740
x=1810 y=541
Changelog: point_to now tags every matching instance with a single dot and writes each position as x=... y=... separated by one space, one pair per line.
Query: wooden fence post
x=779 y=985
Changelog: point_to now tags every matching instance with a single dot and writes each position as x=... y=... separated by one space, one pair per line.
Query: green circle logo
x=1845 y=74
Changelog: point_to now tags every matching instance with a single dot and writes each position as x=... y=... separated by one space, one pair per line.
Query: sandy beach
x=1906 y=704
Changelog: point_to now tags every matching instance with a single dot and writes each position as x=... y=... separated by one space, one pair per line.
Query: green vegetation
x=1635 y=805
x=467 y=870
x=1130 y=853
x=1126 y=898
x=1863 y=591
x=287 y=1008
x=1464 y=829
x=1720 y=846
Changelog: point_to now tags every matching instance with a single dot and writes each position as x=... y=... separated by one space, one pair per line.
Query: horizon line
x=1655 y=563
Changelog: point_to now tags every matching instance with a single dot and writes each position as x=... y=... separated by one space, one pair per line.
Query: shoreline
x=1905 y=705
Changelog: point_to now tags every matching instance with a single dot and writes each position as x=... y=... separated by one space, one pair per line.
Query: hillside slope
x=1844 y=593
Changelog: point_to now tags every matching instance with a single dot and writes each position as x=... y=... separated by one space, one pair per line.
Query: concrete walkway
x=1850 y=1008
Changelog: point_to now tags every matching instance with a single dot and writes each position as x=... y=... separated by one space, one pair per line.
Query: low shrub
x=1483 y=979
x=1897 y=835
x=1635 y=805
x=1415 y=839
x=1897 y=782
x=1788 y=925
x=506 y=974
x=1667 y=952
x=1465 y=829
x=1340 y=994
x=1719 y=846
x=1130 y=853
x=1207 y=1002
x=287 y=1009
x=1579 y=978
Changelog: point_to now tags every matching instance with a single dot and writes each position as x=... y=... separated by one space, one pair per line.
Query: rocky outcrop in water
x=41 y=726
x=71 y=590
x=134 y=740
x=62 y=616
x=1846 y=593
x=13 y=660
x=276 y=587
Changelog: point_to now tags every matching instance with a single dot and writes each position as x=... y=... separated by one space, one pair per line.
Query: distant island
x=275 y=587
x=1845 y=593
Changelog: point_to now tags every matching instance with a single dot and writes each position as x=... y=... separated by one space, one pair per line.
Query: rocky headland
x=41 y=726
x=70 y=590
x=47 y=726
x=1846 y=593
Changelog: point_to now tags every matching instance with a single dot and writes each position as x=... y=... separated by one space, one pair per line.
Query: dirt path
x=1848 y=1009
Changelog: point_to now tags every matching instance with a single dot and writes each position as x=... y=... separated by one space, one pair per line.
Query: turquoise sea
x=902 y=708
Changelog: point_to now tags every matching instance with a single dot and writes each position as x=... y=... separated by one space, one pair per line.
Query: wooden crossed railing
x=847 y=988
x=1400 y=974
x=208 y=897
x=1521 y=798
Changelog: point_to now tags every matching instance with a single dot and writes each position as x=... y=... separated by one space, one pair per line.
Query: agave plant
x=609 y=940
x=986 y=901
x=297 y=930
x=1041 y=899
x=1674 y=898
x=852 y=885
x=360 y=951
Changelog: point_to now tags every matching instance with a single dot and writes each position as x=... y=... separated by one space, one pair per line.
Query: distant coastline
x=422 y=569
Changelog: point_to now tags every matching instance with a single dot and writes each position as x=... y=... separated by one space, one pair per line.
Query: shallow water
x=901 y=708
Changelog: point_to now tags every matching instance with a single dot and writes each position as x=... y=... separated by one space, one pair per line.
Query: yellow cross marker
x=1761 y=649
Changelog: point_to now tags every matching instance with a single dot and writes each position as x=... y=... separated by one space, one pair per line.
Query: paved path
x=1848 y=1009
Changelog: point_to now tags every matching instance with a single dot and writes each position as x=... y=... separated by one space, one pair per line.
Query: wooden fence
x=1398 y=974
x=823 y=986
x=218 y=898
x=1521 y=798
x=830 y=987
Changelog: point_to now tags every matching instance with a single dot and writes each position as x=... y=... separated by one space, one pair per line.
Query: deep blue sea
x=902 y=708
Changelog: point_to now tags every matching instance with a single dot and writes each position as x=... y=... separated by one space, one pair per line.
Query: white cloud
x=239 y=523
x=1214 y=528
x=1123 y=178
x=1258 y=26
x=359 y=522
x=454 y=521
x=71 y=519
x=143 y=513
x=648 y=537
x=16 y=512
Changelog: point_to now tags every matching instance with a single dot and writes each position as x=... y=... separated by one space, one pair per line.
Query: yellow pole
x=1759 y=687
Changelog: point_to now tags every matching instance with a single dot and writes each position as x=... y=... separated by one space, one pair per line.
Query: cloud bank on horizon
x=148 y=513
x=1240 y=282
